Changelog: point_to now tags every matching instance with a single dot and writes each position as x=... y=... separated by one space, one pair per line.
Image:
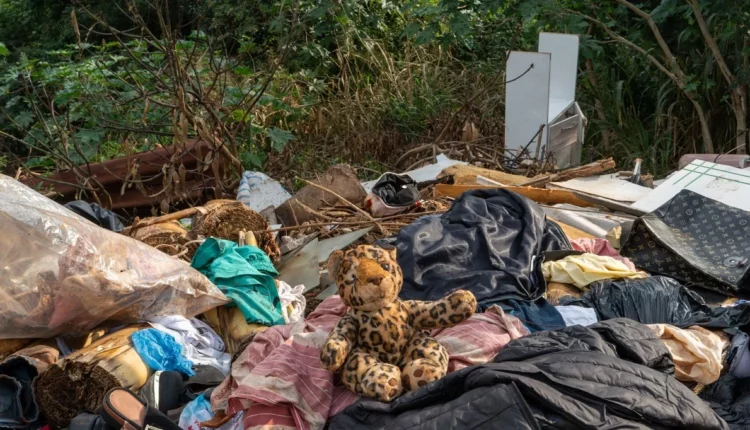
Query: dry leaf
x=470 y=132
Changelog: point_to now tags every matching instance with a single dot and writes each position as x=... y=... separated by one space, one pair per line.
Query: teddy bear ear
x=390 y=249
x=334 y=263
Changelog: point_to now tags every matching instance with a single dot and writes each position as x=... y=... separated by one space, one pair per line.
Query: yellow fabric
x=581 y=270
x=696 y=352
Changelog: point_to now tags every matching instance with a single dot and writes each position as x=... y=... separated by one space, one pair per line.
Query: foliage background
x=360 y=81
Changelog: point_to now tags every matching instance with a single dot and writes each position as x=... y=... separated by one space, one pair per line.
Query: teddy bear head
x=368 y=276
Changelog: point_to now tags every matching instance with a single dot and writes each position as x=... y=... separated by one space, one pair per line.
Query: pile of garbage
x=604 y=299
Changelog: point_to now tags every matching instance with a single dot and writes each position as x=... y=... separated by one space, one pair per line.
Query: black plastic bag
x=104 y=218
x=657 y=300
x=396 y=190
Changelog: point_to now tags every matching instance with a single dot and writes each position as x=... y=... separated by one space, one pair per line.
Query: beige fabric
x=696 y=352
x=581 y=270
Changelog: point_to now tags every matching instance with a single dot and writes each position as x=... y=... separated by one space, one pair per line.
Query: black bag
x=396 y=190
x=696 y=240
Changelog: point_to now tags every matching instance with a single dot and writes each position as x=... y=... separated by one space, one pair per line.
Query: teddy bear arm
x=446 y=312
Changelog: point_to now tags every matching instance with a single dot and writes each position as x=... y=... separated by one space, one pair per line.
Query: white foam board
x=564 y=67
x=526 y=99
x=606 y=186
x=726 y=184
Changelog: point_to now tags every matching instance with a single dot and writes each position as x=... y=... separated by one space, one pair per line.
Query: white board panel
x=564 y=68
x=608 y=186
x=726 y=184
x=526 y=99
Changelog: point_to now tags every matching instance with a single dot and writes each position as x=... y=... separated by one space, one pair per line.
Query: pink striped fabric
x=279 y=383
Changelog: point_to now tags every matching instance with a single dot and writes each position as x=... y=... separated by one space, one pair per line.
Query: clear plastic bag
x=60 y=273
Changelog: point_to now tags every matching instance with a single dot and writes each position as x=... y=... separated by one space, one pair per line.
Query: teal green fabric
x=244 y=274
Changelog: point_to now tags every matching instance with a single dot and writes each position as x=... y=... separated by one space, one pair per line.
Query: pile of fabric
x=570 y=331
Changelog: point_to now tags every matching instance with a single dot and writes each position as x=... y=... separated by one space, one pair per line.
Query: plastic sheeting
x=61 y=274
x=657 y=300
x=490 y=242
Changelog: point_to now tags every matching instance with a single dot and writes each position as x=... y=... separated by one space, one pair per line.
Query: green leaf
x=89 y=137
x=279 y=138
x=239 y=115
x=24 y=119
x=243 y=71
x=253 y=159
x=3 y=50
x=412 y=29
x=425 y=36
x=35 y=162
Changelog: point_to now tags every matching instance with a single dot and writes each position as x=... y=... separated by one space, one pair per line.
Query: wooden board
x=467 y=175
x=539 y=195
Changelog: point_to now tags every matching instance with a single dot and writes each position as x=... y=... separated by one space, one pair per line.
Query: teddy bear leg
x=368 y=377
x=425 y=361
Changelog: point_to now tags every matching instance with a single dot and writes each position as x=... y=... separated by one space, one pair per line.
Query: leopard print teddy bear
x=382 y=345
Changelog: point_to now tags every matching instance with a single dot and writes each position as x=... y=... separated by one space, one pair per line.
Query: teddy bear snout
x=375 y=280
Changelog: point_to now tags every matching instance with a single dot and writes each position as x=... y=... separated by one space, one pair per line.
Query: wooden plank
x=539 y=195
x=595 y=168
x=467 y=175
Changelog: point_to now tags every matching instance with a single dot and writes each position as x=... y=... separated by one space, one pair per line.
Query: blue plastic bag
x=160 y=351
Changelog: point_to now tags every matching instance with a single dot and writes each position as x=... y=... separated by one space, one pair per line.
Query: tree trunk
x=708 y=143
x=599 y=108
x=739 y=106
x=79 y=381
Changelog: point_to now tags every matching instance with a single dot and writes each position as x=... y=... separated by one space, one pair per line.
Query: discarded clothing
x=18 y=407
x=696 y=352
x=279 y=378
x=200 y=344
x=160 y=351
x=245 y=275
x=293 y=302
x=104 y=218
x=537 y=315
x=42 y=356
x=582 y=270
x=738 y=356
x=490 y=242
x=577 y=315
x=574 y=378
x=696 y=240
x=729 y=397
x=600 y=247
x=657 y=300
